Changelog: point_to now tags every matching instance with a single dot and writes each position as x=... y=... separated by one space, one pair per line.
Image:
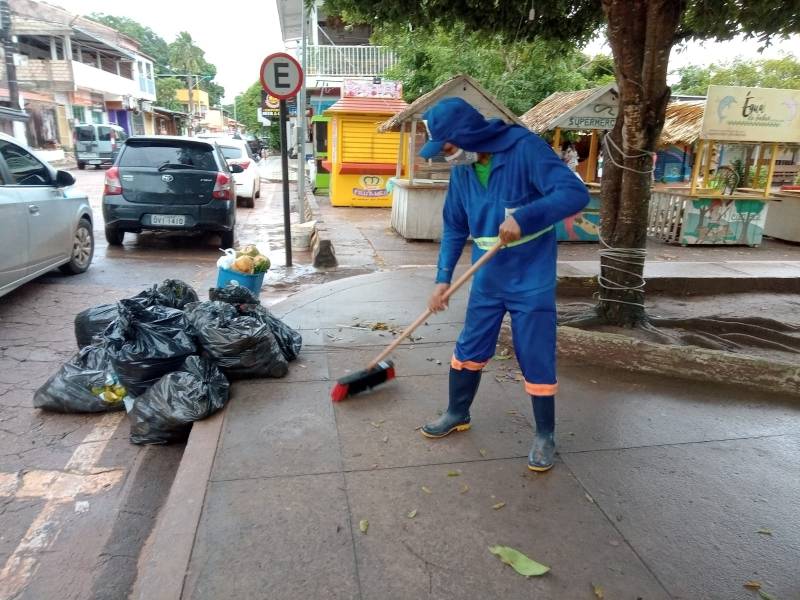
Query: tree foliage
x=519 y=74
x=247 y=106
x=166 y=88
x=179 y=57
x=150 y=42
x=773 y=73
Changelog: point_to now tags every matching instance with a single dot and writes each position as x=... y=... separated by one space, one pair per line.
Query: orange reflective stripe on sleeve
x=541 y=389
x=469 y=365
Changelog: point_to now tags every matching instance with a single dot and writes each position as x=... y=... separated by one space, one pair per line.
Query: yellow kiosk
x=360 y=159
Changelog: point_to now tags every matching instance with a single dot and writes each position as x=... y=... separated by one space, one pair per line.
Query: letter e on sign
x=281 y=75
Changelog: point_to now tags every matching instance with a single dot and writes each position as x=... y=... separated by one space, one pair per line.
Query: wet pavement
x=661 y=489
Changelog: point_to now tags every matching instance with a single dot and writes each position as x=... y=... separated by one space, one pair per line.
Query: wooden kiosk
x=418 y=196
x=360 y=159
x=716 y=209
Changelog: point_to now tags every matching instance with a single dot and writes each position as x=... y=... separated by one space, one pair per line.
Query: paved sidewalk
x=660 y=491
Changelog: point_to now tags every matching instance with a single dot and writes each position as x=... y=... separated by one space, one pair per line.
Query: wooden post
x=771 y=173
x=698 y=157
x=759 y=162
x=591 y=167
x=412 y=154
x=399 y=170
x=557 y=141
x=707 y=170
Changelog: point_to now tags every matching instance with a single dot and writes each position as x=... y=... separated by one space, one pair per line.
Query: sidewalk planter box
x=417 y=208
x=583 y=226
x=679 y=218
x=783 y=218
x=251 y=282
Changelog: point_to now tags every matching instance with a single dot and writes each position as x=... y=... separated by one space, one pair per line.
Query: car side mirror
x=64 y=179
x=236 y=168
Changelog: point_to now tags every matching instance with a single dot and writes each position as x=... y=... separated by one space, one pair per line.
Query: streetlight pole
x=301 y=116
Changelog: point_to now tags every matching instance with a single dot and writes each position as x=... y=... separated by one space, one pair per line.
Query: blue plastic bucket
x=251 y=282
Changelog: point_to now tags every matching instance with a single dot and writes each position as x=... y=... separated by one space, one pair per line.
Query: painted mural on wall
x=583 y=226
x=724 y=221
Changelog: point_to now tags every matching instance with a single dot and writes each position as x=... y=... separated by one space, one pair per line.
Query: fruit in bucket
x=250 y=250
x=261 y=264
x=244 y=265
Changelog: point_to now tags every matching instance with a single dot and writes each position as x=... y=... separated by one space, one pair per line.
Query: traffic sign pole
x=282 y=77
x=287 y=220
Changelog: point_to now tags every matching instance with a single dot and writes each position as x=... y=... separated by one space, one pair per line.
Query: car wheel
x=114 y=236
x=258 y=190
x=227 y=239
x=82 y=249
x=81 y=166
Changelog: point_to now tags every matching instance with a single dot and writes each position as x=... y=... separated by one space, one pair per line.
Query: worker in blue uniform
x=506 y=183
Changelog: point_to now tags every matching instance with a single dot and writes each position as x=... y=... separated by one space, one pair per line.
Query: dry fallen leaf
x=385 y=439
x=764 y=531
x=412 y=514
x=589 y=498
x=426 y=489
x=482 y=451
x=499 y=505
x=598 y=592
x=518 y=561
x=465 y=489
x=363 y=525
x=375 y=425
x=752 y=585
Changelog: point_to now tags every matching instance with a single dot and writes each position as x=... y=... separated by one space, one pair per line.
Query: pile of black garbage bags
x=167 y=358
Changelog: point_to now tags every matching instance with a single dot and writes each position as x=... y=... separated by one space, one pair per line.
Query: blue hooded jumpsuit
x=527 y=180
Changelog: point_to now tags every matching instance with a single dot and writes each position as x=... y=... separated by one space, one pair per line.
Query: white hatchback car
x=248 y=183
x=44 y=223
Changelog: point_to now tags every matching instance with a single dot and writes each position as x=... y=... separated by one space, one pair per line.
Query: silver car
x=44 y=223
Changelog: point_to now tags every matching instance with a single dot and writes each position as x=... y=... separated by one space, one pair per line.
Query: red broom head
x=362 y=380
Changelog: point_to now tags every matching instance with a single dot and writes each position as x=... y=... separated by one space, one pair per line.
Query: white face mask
x=462 y=158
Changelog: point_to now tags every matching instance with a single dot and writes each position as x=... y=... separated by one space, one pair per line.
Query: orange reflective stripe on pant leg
x=541 y=389
x=469 y=365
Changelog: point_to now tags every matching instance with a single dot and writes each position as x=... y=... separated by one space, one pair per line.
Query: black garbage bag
x=288 y=339
x=243 y=346
x=146 y=343
x=166 y=411
x=92 y=322
x=86 y=383
x=152 y=297
x=233 y=294
x=177 y=293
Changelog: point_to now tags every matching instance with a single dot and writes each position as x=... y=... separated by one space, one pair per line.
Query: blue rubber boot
x=463 y=386
x=543 y=449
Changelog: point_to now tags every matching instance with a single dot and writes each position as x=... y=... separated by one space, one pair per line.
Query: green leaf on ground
x=502 y=357
x=453 y=473
x=764 y=531
x=426 y=489
x=412 y=514
x=765 y=596
x=518 y=561
x=598 y=592
x=499 y=505
x=363 y=525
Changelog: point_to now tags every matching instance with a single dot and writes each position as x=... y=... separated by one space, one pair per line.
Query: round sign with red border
x=281 y=75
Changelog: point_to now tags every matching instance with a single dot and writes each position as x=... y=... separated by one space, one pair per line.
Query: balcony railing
x=348 y=61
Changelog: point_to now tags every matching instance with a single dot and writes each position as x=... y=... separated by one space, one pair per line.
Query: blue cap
x=456 y=121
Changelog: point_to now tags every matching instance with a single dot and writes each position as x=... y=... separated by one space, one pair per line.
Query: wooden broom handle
x=428 y=312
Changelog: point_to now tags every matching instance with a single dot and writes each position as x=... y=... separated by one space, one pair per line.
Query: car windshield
x=230 y=153
x=156 y=155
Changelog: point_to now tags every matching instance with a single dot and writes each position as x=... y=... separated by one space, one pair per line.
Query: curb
x=689 y=286
x=685 y=362
x=164 y=562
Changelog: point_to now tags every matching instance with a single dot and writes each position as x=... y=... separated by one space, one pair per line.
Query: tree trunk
x=641 y=34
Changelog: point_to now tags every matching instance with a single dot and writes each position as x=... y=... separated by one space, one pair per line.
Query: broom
x=381 y=370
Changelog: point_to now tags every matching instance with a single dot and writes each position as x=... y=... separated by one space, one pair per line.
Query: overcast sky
x=236 y=36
